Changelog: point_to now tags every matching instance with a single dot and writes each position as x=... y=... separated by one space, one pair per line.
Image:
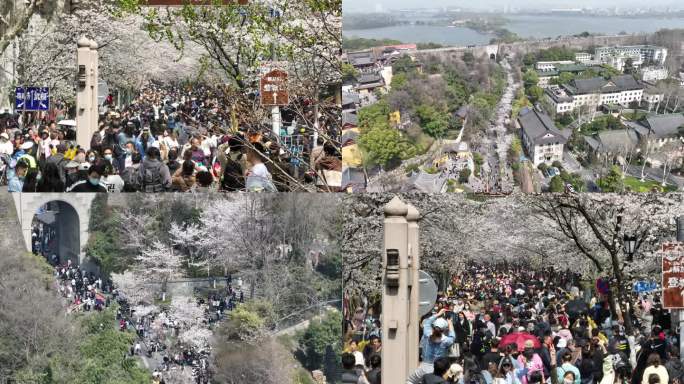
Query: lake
x=528 y=26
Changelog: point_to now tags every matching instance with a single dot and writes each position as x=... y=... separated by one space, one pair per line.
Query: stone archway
x=492 y=51
x=74 y=211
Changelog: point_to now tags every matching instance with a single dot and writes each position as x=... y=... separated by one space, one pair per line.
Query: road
x=498 y=175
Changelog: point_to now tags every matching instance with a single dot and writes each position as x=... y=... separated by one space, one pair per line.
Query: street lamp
x=629 y=242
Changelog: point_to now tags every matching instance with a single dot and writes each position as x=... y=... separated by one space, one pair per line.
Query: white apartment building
x=542 y=140
x=645 y=52
x=583 y=57
x=551 y=65
x=652 y=97
x=594 y=92
x=653 y=74
x=618 y=61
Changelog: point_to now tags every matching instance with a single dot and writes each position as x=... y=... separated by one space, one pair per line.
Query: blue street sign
x=32 y=99
x=645 y=286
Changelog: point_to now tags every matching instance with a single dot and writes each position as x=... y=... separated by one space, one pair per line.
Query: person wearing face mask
x=508 y=372
x=111 y=179
x=108 y=156
x=566 y=368
x=144 y=141
x=91 y=156
x=16 y=180
x=50 y=179
x=530 y=360
x=129 y=152
x=169 y=139
x=92 y=183
x=463 y=330
x=124 y=147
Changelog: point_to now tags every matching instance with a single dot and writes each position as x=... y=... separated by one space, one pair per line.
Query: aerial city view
x=499 y=96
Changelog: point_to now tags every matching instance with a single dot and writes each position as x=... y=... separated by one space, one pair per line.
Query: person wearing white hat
x=6 y=147
x=438 y=337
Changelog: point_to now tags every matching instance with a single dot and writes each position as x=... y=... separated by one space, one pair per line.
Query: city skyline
x=386 y=5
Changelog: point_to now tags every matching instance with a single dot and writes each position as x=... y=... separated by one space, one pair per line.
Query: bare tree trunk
x=617 y=273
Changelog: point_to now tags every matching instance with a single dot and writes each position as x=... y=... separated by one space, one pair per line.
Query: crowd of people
x=511 y=325
x=157 y=331
x=363 y=345
x=155 y=328
x=172 y=138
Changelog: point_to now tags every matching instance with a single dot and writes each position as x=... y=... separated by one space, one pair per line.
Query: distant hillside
x=368 y=21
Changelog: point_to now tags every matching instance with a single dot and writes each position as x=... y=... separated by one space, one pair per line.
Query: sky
x=366 y=5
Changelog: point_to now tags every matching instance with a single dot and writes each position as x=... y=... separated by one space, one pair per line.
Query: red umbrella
x=519 y=338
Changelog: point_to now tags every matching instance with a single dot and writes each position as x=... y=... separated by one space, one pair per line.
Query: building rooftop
x=426 y=183
x=368 y=78
x=350 y=118
x=350 y=98
x=349 y=137
x=540 y=129
x=599 y=84
x=572 y=68
x=664 y=125
x=361 y=58
x=613 y=141
x=558 y=94
x=462 y=111
x=353 y=178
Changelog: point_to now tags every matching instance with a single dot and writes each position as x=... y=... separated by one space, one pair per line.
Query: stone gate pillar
x=395 y=298
x=413 y=358
x=86 y=92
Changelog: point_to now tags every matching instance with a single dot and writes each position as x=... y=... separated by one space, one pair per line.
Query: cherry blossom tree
x=186 y=310
x=15 y=17
x=597 y=223
x=132 y=287
x=159 y=263
x=197 y=336
x=580 y=233
x=128 y=56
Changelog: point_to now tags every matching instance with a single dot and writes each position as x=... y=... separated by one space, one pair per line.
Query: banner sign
x=273 y=88
x=673 y=275
x=32 y=99
x=645 y=286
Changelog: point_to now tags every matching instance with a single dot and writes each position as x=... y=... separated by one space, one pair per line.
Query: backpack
x=476 y=378
x=152 y=179
x=131 y=178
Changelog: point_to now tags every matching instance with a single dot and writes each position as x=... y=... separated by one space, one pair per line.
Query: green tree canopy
x=556 y=185
x=535 y=93
x=613 y=181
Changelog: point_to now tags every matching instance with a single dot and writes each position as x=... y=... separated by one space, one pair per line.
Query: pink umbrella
x=519 y=338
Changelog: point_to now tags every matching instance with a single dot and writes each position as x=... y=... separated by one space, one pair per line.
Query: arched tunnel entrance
x=55 y=233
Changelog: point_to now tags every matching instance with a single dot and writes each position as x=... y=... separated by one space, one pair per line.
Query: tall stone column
x=395 y=298
x=94 y=80
x=413 y=287
x=86 y=92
